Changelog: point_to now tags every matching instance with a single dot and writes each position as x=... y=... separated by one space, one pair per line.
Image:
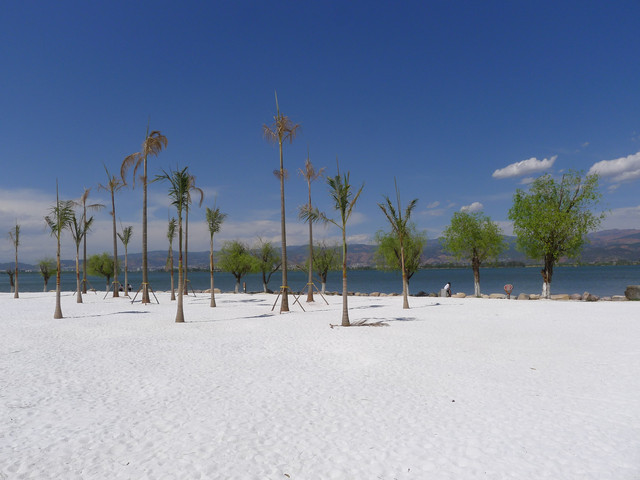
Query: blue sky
x=462 y=102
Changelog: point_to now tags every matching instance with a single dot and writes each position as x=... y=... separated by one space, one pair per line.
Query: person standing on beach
x=447 y=289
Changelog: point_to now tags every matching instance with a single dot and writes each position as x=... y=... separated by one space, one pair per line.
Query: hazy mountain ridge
x=606 y=246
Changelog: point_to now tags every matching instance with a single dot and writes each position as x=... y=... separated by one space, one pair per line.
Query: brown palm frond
x=135 y=159
x=154 y=143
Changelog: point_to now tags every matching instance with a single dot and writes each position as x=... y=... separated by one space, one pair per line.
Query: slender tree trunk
x=405 y=285
x=78 y=283
x=58 y=311
x=547 y=274
x=237 y=289
x=145 y=271
x=173 y=290
x=310 y=281
x=323 y=282
x=15 y=293
x=116 y=285
x=345 y=291
x=126 y=272
x=284 y=304
x=84 y=248
x=45 y=286
x=186 y=251
x=213 y=295
x=180 y=311
x=475 y=265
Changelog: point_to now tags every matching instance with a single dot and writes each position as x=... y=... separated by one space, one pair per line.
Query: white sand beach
x=450 y=389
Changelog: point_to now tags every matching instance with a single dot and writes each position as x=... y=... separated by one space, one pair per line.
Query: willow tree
x=113 y=185
x=14 y=236
x=179 y=195
x=214 y=218
x=236 y=259
x=344 y=199
x=153 y=144
x=125 y=237
x=171 y=234
x=59 y=220
x=85 y=207
x=46 y=267
x=268 y=261
x=192 y=188
x=388 y=254
x=473 y=237
x=79 y=229
x=281 y=130
x=398 y=222
x=325 y=259
x=553 y=219
x=310 y=175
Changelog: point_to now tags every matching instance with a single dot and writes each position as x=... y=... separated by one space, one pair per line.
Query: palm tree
x=399 y=229
x=171 y=233
x=192 y=188
x=153 y=144
x=14 y=235
x=179 y=194
x=58 y=220
x=113 y=185
x=125 y=236
x=95 y=206
x=79 y=231
x=343 y=201
x=310 y=174
x=215 y=218
x=280 y=130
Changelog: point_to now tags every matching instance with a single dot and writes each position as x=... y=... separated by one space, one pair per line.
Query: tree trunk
x=78 y=285
x=58 y=311
x=310 y=281
x=116 y=286
x=84 y=248
x=284 y=304
x=126 y=272
x=173 y=289
x=186 y=251
x=180 y=311
x=15 y=293
x=237 y=289
x=345 y=291
x=145 y=272
x=547 y=274
x=475 y=265
x=405 y=285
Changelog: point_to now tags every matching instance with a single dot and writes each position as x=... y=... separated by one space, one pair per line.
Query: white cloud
x=527 y=180
x=622 y=169
x=525 y=167
x=625 y=217
x=433 y=204
x=474 y=207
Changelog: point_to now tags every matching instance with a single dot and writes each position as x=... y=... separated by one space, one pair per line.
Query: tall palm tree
x=94 y=206
x=179 y=194
x=192 y=188
x=171 y=234
x=58 y=220
x=113 y=185
x=14 y=235
x=343 y=201
x=310 y=174
x=214 y=221
x=153 y=144
x=79 y=229
x=125 y=237
x=282 y=129
x=398 y=223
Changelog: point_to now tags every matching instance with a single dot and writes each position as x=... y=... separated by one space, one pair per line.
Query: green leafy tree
x=344 y=199
x=47 y=267
x=325 y=259
x=14 y=236
x=153 y=144
x=59 y=220
x=114 y=184
x=236 y=259
x=171 y=234
x=214 y=218
x=398 y=222
x=94 y=206
x=475 y=238
x=79 y=229
x=179 y=181
x=282 y=129
x=268 y=260
x=125 y=237
x=310 y=175
x=388 y=255
x=102 y=265
x=553 y=219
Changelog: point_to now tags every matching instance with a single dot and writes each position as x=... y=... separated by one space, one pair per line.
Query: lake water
x=602 y=281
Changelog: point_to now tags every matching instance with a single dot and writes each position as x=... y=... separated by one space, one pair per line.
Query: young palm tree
x=153 y=144
x=179 y=194
x=399 y=229
x=14 y=235
x=113 y=185
x=125 y=236
x=95 y=206
x=58 y=220
x=343 y=201
x=192 y=188
x=280 y=130
x=214 y=221
x=79 y=231
x=171 y=234
x=310 y=174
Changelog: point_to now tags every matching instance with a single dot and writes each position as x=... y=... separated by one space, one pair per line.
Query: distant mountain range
x=606 y=246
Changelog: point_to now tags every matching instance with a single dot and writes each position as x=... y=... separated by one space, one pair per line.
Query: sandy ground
x=450 y=389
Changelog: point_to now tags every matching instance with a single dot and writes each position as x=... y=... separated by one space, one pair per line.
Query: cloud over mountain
x=525 y=167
